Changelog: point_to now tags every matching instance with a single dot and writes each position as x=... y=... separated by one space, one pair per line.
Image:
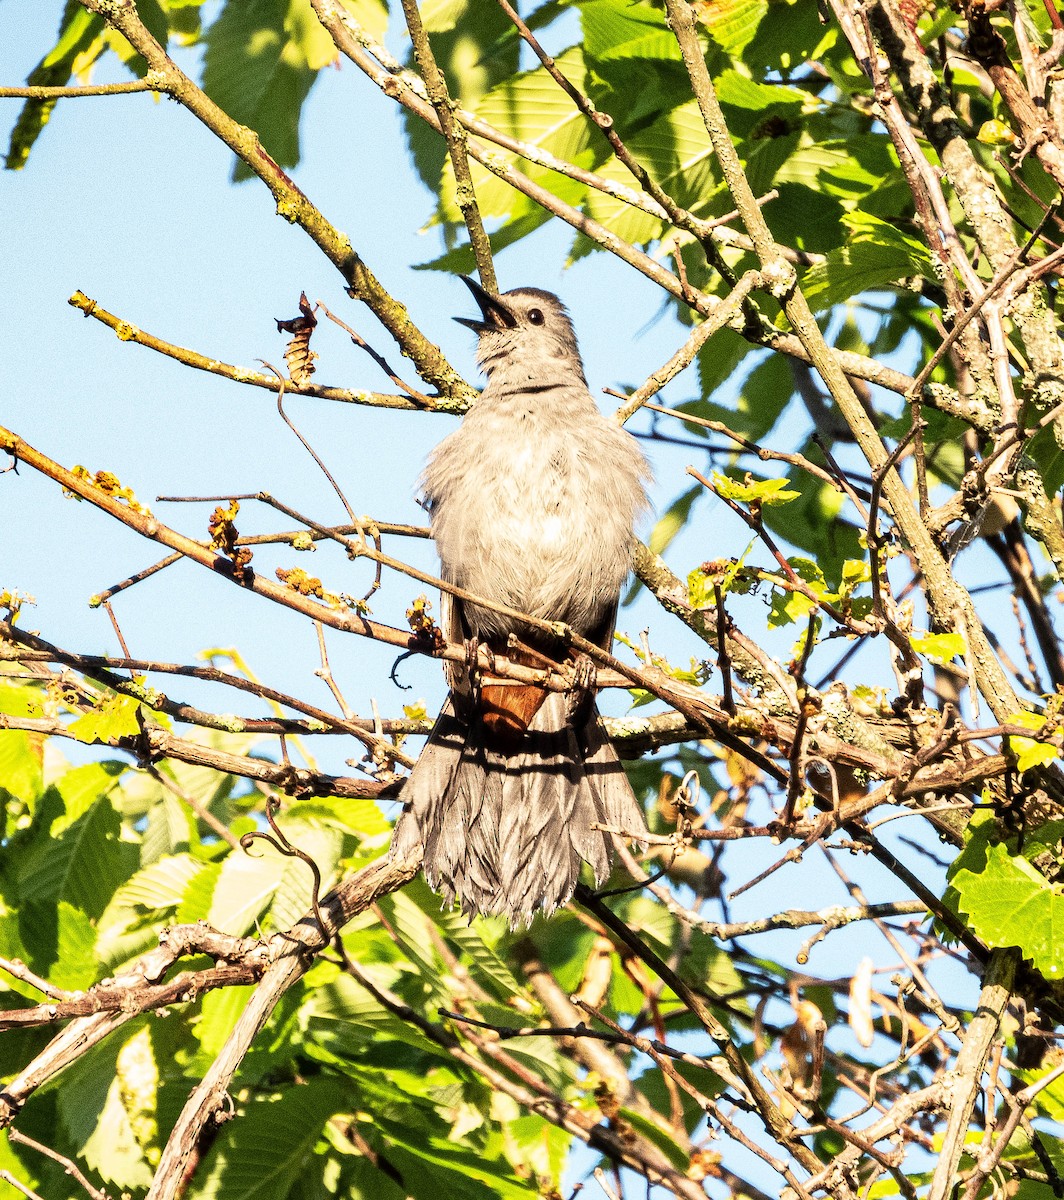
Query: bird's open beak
x=495 y=313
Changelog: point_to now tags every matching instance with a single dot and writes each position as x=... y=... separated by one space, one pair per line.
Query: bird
x=533 y=504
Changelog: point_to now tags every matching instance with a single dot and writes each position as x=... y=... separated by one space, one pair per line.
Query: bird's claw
x=585 y=675
x=473 y=646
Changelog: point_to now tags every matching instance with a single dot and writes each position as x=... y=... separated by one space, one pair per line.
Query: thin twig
x=245 y=375
x=69 y=1166
x=978 y=1038
x=19 y=1186
x=455 y=136
x=150 y=83
x=766 y=455
x=201 y=811
x=722 y=313
x=17 y=969
x=419 y=398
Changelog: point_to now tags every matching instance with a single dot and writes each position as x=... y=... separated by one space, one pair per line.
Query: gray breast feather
x=563 y=497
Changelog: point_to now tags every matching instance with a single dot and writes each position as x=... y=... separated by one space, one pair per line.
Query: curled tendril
x=283 y=846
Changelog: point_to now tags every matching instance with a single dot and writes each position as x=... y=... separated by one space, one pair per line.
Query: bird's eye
x=535 y=316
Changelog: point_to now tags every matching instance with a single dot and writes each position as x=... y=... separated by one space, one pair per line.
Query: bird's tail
x=506 y=832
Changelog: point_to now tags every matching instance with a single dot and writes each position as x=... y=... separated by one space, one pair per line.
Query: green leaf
x=661 y=1095
x=412 y=928
x=295 y=887
x=112 y=1150
x=939 y=647
x=245 y=887
x=431 y=1164
x=615 y=29
x=677 y=153
x=876 y=255
x=171 y=828
x=196 y=902
x=732 y=24
x=158 y=887
x=793 y=36
x=475 y=47
x=855 y=571
x=1049 y=1100
x=79 y=788
x=475 y=941
x=129 y=925
x=75 y=967
x=762 y=491
x=211 y=788
x=1048 y=454
x=721 y=362
x=16 y=1168
x=1046 y=839
x=1030 y=753
x=1008 y=903
x=21 y=698
x=344 y=1022
x=81 y=41
x=21 y=775
x=538 y=1145
x=738 y=91
x=83 y=865
x=672 y=521
x=764 y=397
x=264 y=1153
x=532 y=108
x=218 y=1014
x=788 y=608
x=95 y=1115
x=347 y=814
x=653 y=1132
x=851 y=171
x=372 y=15
x=700 y=592
x=814 y=523
x=114 y=718
x=699 y=589
x=564 y=944
x=809 y=572
x=262 y=59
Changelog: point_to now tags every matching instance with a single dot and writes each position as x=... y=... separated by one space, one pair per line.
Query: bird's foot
x=585 y=675
x=473 y=646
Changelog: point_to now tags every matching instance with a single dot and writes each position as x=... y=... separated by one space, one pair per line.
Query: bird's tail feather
x=506 y=833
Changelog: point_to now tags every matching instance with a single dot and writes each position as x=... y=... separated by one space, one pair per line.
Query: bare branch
x=201 y=362
x=361 y=283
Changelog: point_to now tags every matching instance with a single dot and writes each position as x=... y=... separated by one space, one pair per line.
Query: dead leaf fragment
x=298 y=355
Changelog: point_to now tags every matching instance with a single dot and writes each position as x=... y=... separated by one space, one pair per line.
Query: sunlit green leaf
x=875 y=255
x=114 y=718
x=531 y=108
x=762 y=491
x=1007 y=902
x=939 y=647
x=81 y=41
x=1029 y=752
x=264 y=1153
x=731 y=23
x=21 y=775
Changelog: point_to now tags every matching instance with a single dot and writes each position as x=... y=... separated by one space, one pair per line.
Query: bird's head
x=528 y=325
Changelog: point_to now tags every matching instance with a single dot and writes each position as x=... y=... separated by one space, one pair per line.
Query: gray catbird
x=532 y=503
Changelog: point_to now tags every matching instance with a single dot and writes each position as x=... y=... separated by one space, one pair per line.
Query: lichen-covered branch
x=292 y=204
